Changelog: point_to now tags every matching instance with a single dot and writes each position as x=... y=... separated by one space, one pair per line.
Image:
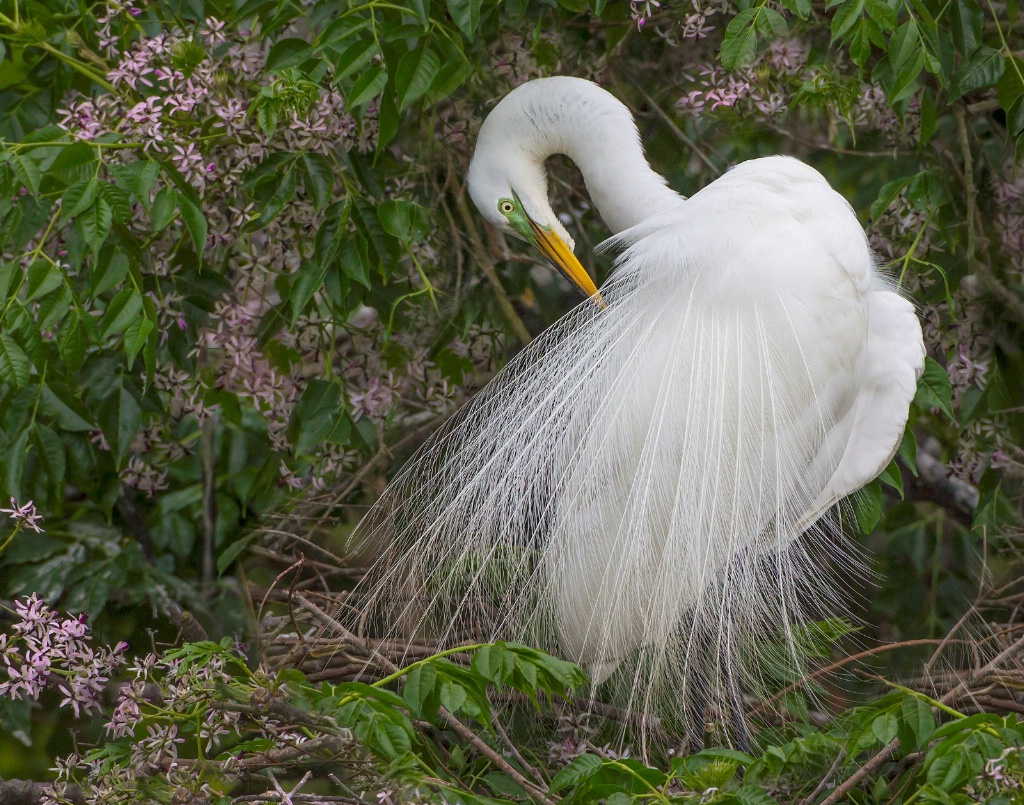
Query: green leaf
x=77 y=198
x=740 y=40
x=966 y=20
x=934 y=389
x=54 y=309
x=891 y=476
x=887 y=195
x=421 y=8
x=318 y=180
x=26 y=170
x=860 y=43
x=109 y=275
x=908 y=450
x=308 y=280
x=315 y=415
x=403 y=218
x=904 y=45
x=802 y=8
x=332 y=232
x=118 y=200
x=1010 y=89
x=916 y=724
x=355 y=57
x=845 y=17
x=129 y=420
x=196 y=224
x=342 y=29
x=882 y=13
x=367 y=87
x=51 y=449
x=71 y=343
x=7 y=274
x=137 y=178
x=67 y=411
x=14 y=463
x=867 y=506
x=164 y=205
x=466 y=14
x=494 y=662
x=135 y=338
x=95 y=223
x=947 y=772
x=267 y=116
x=355 y=261
x=419 y=687
x=14 y=366
x=449 y=78
x=121 y=311
x=284 y=191
x=452 y=696
x=415 y=74
x=232 y=552
x=388 y=120
x=43 y=277
x=983 y=69
x=287 y=53
x=772 y=24
x=579 y=769
x=74 y=163
x=390 y=740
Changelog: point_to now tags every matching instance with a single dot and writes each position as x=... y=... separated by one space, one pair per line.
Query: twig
x=824 y=780
x=762 y=706
x=965 y=153
x=496 y=722
x=882 y=756
x=678 y=132
x=450 y=720
x=208 y=454
x=191 y=629
x=29 y=792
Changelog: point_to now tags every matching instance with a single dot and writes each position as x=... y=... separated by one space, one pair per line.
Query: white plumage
x=630 y=489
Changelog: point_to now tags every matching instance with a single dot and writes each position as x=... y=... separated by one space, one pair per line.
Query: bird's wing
x=894 y=361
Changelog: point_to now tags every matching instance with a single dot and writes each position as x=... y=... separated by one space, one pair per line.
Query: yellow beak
x=554 y=248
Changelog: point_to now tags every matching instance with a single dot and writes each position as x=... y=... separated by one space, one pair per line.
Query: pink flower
x=24 y=516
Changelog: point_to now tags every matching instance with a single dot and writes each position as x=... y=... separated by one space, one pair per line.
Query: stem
x=446 y=653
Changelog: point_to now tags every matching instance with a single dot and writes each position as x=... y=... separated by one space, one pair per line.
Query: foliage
x=238 y=270
x=197 y=718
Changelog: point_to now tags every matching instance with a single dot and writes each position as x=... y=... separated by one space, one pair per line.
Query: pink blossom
x=24 y=516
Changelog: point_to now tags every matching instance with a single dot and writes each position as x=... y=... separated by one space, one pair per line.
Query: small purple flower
x=24 y=516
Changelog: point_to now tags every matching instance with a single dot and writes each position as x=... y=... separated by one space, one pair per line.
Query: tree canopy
x=242 y=281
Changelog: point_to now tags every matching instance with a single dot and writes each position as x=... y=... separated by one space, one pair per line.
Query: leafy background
x=241 y=281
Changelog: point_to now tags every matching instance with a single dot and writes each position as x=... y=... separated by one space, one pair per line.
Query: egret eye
x=506 y=207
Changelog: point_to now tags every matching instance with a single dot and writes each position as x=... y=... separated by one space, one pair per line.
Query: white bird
x=629 y=491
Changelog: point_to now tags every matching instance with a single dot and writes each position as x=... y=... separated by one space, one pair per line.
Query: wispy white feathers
x=631 y=491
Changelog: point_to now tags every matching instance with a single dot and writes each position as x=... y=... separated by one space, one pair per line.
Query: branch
x=951 y=696
x=450 y=720
x=28 y=792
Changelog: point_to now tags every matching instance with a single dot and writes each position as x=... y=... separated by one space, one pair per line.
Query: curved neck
x=596 y=131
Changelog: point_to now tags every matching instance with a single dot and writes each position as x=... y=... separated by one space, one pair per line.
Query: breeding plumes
x=650 y=489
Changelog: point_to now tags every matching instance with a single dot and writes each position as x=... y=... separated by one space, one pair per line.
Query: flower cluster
x=188 y=99
x=46 y=651
x=1008 y=198
x=24 y=516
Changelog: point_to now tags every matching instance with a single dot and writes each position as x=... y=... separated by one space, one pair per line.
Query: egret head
x=508 y=184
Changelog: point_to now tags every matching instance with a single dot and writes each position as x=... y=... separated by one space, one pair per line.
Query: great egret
x=631 y=486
